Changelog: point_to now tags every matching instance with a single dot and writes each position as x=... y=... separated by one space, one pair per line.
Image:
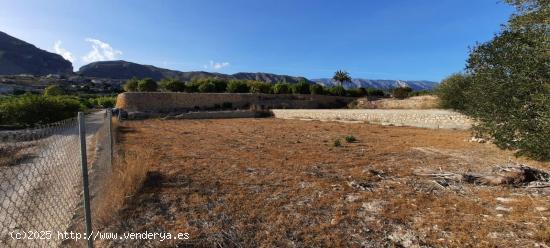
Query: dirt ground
x=284 y=183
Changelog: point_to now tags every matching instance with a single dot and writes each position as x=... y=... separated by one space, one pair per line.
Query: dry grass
x=282 y=183
x=14 y=154
x=130 y=167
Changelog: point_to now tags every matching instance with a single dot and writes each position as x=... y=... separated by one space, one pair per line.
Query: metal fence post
x=110 y=136
x=84 y=164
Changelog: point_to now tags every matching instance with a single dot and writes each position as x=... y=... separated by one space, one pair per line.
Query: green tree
x=171 y=85
x=259 y=87
x=509 y=92
x=53 y=90
x=147 y=85
x=281 y=88
x=337 y=90
x=237 y=86
x=131 y=85
x=341 y=77
x=301 y=87
x=207 y=87
x=401 y=92
x=451 y=91
x=316 y=89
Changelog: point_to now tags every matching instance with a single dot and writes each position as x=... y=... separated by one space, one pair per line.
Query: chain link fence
x=41 y=180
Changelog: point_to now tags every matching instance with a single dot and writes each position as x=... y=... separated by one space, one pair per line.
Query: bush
x=172 y=85
x=337 y=143
x=147 y=85
x=350 y=138
x=259 y=87
x=337 y=91
x=301 y=87
x=237 y=86
x=207 y=87
x=105 y=101
x=509 y=92
x=452 y=91
x=131 y=85
x=375 y=92
x=401 y=92
x=192 y=87
x=358 y=92
x=421 y=93
x=214 y=84
x=29 y=110
x=53 y=90
x=316 y=89
x=281 y=88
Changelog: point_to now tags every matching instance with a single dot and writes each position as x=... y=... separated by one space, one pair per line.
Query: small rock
x=352 y=197
x=505 y=209
x=505 y=200
x=478 y=140
x=541 y=209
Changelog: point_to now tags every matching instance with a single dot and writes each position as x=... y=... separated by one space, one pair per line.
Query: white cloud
x=100 y=51
x=61 y=51
x=216 y=65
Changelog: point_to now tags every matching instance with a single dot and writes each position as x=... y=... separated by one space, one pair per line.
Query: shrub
x=171 y=85
x=421 y=93
x=281 y=88
x=28 y=110
x=237 y=86
x=221 y=84
x=316 y=89
x=301 y=87
x=259 y=87
x=147 y=85
x=337 y=143
x=207 y=87
x=337 y=91
x=375 y=92
x=105 y=101
x=357 y=92
x=452 y=91
x=507 y=90
x=131 y=85
x=401 y=92
x=53 y=90
x=192 y=87
x=350 y=138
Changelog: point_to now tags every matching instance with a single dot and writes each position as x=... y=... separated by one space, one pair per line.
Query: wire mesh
x=41 y=179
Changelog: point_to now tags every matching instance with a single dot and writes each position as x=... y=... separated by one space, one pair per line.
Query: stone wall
x=429 y=118
x=165 y=102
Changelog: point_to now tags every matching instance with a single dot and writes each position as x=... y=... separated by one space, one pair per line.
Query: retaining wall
x=165 y=102
x=426 y=118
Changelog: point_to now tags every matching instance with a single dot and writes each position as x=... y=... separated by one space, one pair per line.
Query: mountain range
x=380 y=83
x=121 y=69
x=19 y=57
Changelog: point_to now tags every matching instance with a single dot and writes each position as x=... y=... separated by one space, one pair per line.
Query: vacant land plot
x=287 y=183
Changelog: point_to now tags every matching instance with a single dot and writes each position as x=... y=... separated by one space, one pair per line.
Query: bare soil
x=283 y=183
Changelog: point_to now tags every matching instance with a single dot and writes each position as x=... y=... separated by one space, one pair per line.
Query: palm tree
x=341 y=77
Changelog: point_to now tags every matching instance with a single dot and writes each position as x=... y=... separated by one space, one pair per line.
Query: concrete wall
x=426 y=118
x=165 y=102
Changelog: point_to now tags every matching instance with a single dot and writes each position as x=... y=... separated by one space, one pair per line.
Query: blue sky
x=394 y=39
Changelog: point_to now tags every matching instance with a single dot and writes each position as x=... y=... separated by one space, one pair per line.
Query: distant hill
x=380 y=84
x=20 y=57
x=120 y=69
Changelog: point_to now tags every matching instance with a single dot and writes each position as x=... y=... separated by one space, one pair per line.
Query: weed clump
x=350 y=139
